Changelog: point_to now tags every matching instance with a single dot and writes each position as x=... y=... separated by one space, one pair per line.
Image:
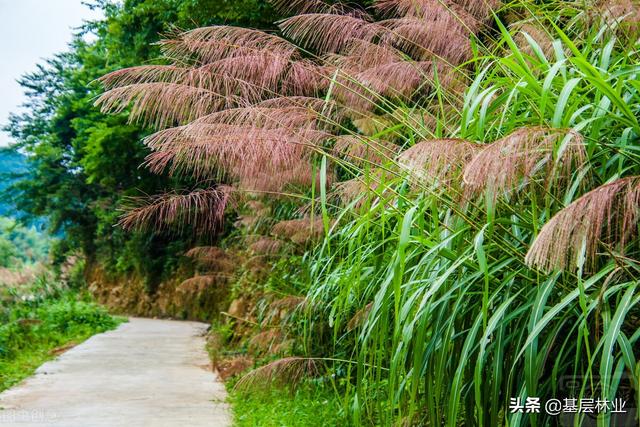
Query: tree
x=82 y=163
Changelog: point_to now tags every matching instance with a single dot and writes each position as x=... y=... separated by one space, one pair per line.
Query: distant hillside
x=11 y=163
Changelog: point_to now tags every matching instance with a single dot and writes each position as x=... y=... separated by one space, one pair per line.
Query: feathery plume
x=197 y=285
x=201 y=209
x=226 y=83
x=223 y=266
x=255 y=117
x=281 y=310
x=623 y=13
x=481 y=9
x=206 y=252
x=246 y=221
x=164 y=104
x=503 y=165
x=328 y=33
x=351 y=190
x=362 y=188
x=361 y=150
x=538 y=34
x=404 y=80
x=278 y=180
x=266 y=246
x=359 y=317
x=445 y=11
x=289 y=304
x=264 y=341
x=608 y=215
x=425 y=41
x=209 y=44
x=436 y=161
x=212 y=258
x=288 y=371
x=373 y=124
x=360 y=55
x=258 y=208
x=305 y=78
x=259 y=71
x=315 y=6
x=299 y=231
x=241 y=151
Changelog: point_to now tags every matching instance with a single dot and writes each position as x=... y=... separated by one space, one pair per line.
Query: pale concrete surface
x=146 y=373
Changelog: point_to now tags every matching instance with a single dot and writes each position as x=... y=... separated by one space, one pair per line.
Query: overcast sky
x=31 y=30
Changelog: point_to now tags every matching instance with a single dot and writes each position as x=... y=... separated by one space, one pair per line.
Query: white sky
x=31 y=30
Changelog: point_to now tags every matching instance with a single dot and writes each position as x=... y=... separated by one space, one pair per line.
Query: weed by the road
x=34 y=326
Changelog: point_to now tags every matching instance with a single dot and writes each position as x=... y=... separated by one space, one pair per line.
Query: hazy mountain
x=11 y=163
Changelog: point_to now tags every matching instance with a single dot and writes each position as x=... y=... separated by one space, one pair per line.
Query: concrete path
x=146 y=373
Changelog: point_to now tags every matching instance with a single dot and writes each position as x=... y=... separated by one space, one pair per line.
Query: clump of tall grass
x=467 y=144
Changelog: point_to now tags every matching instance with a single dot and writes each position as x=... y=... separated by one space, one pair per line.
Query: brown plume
x=403 y=80
x=240 y=151
x=329 y=33
x=359 y=317
x=608 y=215
x=437 y=161
x=197 y=285
x=515 y=159
x=289 y=371
x=212 y=258
x=201 y=209
x=299 y=231
x=362 y=151
x=425 y=41
x=164 y=104
x=263 y=342
x=538 y=34
x=210 y=44
x=481 y=9
x=290 y=303
x=266 y=246
x=315 y=6
x=624 y=14
x=445 y=11
x=206 y=252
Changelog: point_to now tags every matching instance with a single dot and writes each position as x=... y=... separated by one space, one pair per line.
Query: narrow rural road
x=146 y=373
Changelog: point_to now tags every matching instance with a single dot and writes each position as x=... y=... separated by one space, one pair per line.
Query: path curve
x=147 y=373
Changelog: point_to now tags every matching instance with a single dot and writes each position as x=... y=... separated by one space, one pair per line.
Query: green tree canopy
x=83 y=163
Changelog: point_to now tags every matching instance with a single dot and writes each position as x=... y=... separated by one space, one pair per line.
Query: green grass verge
x=310 y=405
x=32 y=330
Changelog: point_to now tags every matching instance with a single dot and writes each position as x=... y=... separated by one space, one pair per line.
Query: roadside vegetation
x=417 y=211
x=308 y=406
x=40 y=321
x=44 y=309
x=21 y=246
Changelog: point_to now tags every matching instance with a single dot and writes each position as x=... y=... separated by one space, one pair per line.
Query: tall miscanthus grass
x=470 y=176
x=457 y=322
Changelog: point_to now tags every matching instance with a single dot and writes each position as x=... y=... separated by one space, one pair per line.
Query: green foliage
x=81 y=163
x=420 y=301
x=312 y=405
x=39 y=320
x=21 y=246
x=455 y=322
x=434 y=316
